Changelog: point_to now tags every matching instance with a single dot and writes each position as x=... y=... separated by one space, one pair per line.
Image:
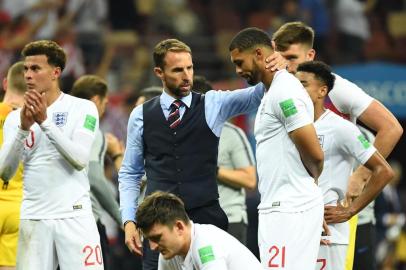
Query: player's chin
x=167 y=254
x=251 y=81
x=184 y=91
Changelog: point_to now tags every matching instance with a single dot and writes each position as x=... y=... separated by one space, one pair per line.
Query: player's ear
x=311 y=54
x=56 y=73
x=158 y=72
x=259 y=54
x=323 y=91
x=180 y=227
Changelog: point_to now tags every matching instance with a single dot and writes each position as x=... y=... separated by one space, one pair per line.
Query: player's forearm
x=387 y=138
x=10 y=155
x=76 y=152
x=238 y=178
x=381 y=175
x=129 y=191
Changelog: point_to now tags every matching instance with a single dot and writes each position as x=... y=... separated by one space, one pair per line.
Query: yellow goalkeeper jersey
x=13 y=190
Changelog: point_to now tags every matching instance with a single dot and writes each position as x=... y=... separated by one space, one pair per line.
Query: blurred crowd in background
x=114 y=39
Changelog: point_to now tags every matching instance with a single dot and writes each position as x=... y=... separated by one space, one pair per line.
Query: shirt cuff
x=128 y=214
x=46 y=124
x=22 y=134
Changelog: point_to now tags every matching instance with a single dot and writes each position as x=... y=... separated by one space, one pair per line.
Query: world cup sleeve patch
x=206 y=254
x=365 y=143
x=288 y=107
x=90 y=122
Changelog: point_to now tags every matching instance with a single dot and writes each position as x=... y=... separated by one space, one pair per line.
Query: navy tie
x=174 y=115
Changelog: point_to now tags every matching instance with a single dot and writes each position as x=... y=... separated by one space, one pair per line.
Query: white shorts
x=73 y=243
x=331 y=257
x=290 y=241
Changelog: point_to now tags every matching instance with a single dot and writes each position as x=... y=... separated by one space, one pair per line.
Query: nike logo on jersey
x=321 y=140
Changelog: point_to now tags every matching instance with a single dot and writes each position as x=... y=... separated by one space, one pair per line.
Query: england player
x=294 y=40
x=289 y=159
x=11 y=191
x=52 y=135
x=342 y=143
x=182 y=244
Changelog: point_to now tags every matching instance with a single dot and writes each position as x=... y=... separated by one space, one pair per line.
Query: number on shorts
x=31 y=136
x=323 y=263
x=275 y=255
x=92 y=260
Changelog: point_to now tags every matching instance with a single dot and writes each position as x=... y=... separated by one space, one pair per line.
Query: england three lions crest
x=59 y=118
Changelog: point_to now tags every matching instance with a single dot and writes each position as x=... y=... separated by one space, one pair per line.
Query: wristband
x=128 y=221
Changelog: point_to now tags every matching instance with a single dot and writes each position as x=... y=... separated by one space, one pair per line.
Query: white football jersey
x=54 y=156
x=343 y=144
x=212 y=249
x=347 y=99
x=284 y=183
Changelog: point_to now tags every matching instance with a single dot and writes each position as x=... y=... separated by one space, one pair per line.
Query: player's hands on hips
x=336 y=214
x=326 y=232
x=132 y=238
x=275 y=61
x=37 y=104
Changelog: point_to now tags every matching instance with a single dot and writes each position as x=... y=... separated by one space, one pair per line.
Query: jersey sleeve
x=13 y=146
x=291 y=109
x=352 y=142
x=210 y=257
x=75 y=149
x=349 y=98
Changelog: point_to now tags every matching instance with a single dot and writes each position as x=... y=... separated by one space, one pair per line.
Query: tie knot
x=177 y=104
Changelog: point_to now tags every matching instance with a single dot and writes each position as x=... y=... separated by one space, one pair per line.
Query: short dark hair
x=151 y=92
x=165 y=46
x=88 y=86
x=55 y=54
x=160 y=208
x=293 y=33
x=15 y=78
x=322 y=72
x=201 y=84
x=250 y=37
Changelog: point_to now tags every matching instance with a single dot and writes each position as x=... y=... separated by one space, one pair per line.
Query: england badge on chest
x=59 y=118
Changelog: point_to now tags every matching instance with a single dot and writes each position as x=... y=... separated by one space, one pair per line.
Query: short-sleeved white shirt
x=347 y=99
x=284 y=183
x=343 y=144
x=53 y=188
x=212 y=249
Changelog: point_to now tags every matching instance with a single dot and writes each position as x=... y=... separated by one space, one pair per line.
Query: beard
x=178 y=91
x=253 y=78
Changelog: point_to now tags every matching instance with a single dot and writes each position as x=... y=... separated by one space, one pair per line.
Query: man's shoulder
x=75 y=100
x=5 y=109
x=340 y=127
x=231 y=128
x=336 y=122
x=286 y=84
